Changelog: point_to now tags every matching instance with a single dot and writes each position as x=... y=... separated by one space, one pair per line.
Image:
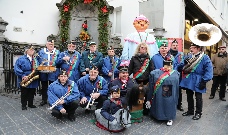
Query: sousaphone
x=205 y=34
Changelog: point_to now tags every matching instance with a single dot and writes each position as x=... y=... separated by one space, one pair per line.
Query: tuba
x=205 y=34
x=31 y=78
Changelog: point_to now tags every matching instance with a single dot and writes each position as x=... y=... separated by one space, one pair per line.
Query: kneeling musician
x=61 y=103
x=93 y=88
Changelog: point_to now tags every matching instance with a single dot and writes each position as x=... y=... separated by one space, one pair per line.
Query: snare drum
x=46 y=69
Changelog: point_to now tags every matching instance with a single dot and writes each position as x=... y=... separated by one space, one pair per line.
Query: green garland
x=103 y=18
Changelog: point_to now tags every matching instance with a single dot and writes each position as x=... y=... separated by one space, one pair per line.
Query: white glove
x=148 y=105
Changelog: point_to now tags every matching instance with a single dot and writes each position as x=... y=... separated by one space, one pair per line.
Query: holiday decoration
x=104 y=9
x=103 y=18
x=87 y=1
x=66 y=8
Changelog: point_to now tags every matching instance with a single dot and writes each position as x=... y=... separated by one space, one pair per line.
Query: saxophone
x=31 y=78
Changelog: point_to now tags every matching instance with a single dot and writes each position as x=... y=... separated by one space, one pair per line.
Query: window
x=115 y=18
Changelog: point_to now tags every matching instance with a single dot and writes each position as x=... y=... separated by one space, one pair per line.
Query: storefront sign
x=169 y=41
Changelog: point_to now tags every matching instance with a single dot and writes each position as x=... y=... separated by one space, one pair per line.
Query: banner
x=169 y=41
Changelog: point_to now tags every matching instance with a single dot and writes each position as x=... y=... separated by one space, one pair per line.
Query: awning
x=194 y=7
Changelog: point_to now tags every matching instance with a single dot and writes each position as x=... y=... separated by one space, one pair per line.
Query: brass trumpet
x=58 y=101
x=91 y=100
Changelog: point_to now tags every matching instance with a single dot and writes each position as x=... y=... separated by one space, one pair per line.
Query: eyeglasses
x=143 y=47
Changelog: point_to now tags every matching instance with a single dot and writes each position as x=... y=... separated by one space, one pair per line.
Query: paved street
x=38 y=121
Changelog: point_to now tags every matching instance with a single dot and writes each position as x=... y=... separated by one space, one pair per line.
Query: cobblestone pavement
x=38 y=121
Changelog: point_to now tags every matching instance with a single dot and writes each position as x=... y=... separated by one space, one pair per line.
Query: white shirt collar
x=30 y=58
x=47 y=52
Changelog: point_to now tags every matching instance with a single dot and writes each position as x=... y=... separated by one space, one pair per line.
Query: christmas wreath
x=103 y=18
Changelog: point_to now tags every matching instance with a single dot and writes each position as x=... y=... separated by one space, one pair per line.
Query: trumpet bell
x=205 y=34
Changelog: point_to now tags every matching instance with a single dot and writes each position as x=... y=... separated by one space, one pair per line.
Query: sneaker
x=170 y=123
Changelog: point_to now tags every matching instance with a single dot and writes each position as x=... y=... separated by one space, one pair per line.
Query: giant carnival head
x=141 y=23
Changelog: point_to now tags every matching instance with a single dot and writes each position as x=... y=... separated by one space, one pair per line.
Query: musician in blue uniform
x=106 y=116
x=91 y=57
x=178 y=59
x=63 y=87
x=124 y=82
x=163 y=95
x=70 y=60
x=92 y=86
x=23 y=67
x=48 y=56
x=110 y=65
x=162 y=55
x=197 y=71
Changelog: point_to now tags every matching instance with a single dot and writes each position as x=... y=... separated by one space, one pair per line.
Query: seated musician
x=23 y=68
x=107 y=116
x=124 y=82
x=59 y=88
x=50 y=55
x=92 y=87
x=89 y=58
x=110 y=65
x=140 y=66
x=70 y=60
x=163 y=95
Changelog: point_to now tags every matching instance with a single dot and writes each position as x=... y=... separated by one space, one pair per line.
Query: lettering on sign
x=17 y=29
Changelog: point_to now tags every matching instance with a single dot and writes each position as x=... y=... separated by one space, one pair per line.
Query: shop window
x=166 y=90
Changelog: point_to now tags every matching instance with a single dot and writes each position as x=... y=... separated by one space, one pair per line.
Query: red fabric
x=104 y=128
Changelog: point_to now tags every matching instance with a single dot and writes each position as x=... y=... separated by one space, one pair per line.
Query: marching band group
x=145 y=80
x=88 y=78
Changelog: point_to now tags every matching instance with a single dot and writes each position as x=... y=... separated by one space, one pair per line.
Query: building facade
x=174 y=17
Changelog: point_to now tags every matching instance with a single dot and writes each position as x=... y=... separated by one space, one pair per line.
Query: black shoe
x=32 y=106
x=43 y=103
x=211 y=97
x=223 y=99
x=197 y=116
x=24 y=108
x=187 y=113
x=180 y=108
x=87 y=111
x=71 y=118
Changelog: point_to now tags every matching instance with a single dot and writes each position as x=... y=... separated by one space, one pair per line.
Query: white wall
x=39 y=19
x=214 y=10
x=173 y=22
x=130 y=10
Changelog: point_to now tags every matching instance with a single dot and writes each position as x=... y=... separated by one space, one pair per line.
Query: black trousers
x=70 y=109
x=100 y=101
x=216 y=81
x=44 y=89
x=180 y=97
x=27 y=95
x=190 y=100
